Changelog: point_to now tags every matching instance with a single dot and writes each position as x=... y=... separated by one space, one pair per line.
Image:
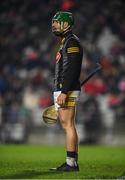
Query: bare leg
x=67 y=120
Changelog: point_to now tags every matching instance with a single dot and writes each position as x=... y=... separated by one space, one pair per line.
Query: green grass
x=33 y=162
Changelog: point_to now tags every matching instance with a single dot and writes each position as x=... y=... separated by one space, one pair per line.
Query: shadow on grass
x=28 y=174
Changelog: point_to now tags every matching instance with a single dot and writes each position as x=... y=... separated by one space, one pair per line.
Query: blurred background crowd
x=27 y=60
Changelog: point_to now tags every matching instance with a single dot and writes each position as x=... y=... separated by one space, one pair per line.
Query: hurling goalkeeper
x=67 y=85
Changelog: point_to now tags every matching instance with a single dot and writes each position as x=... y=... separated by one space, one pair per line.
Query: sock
x=71 y=158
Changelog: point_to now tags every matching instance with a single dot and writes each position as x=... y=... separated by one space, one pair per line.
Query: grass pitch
x=33 y=162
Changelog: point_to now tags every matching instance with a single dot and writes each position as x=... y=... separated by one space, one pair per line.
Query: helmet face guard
x=63 y=16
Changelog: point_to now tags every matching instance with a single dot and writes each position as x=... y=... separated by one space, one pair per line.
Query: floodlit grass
x=33 y=162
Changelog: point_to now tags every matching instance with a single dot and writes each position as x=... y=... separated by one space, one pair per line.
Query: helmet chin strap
x=62 y=30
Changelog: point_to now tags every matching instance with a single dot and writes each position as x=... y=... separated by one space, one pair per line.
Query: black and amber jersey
x=68 y=64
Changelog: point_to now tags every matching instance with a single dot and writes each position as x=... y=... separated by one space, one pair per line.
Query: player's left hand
x=61 y=99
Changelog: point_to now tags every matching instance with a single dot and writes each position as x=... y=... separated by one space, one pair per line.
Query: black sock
x=72 y=154
x=71 y=158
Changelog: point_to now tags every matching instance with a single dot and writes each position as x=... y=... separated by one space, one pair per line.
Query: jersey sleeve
x=72 y=65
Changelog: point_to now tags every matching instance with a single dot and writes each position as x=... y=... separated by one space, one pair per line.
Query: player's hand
x=61 y=99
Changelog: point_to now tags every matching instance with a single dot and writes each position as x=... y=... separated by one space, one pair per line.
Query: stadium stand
x=27 y=67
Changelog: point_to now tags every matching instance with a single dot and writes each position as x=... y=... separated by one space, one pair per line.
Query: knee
x=66 y=125
x=63 y=123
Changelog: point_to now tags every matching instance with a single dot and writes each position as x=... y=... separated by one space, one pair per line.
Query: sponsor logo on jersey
x=58 y=57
